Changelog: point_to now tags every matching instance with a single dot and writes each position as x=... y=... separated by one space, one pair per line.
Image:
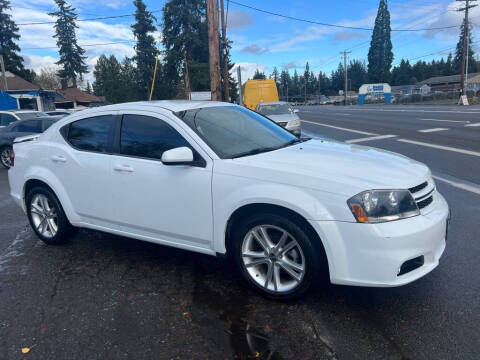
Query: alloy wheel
x=44 y=216
x=273 y=258
x=5 y=157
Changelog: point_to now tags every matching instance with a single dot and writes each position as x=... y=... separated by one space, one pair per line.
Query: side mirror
x=178 y=156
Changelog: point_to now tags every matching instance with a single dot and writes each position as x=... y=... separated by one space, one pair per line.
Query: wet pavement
x=106 y=297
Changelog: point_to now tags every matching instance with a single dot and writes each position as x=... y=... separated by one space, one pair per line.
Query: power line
x=89 y=19
x=82 y=45
x=333 y=25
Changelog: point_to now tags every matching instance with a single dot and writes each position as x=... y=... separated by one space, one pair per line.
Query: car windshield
x=274 y=109
x=233 y=131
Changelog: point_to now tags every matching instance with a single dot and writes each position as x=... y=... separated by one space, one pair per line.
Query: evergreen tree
x=402 y=74
x=275 y=76
x=185 y=31
x=71 y=60
x=338 y=78
x=107 y=72
x=357 y=74
x=232 y=82
x=285 y=83
x=306 y=79
x=259 y=75
x=457 y=61
x=449 y=66
x=8 y=46
x=380 y=55
x=89 y=88
x=145 y=49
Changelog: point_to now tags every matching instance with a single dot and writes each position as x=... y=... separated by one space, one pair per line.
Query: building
x=22 y=94
x=408 y=90
x=452 y=82
x=74 y=98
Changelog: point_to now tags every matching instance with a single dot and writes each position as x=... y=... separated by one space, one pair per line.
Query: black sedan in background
x=18 y=129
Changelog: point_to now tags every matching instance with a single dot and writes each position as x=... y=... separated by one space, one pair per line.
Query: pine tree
x=457 y=61
x=232 y=83
x=107 y=72
x=380 y=55
x=8 y=46
x=145 y=48
x=71 y=60
x=88 y=90
x=185 y=31
x=258 y=75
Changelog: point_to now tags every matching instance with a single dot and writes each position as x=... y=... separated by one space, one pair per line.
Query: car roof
x=273 y=103
x=172 y=105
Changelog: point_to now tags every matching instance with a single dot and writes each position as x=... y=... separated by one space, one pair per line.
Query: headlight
x=295 y=122
x=376 y=206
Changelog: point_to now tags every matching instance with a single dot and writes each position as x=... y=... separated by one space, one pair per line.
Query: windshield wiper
x=254 y=152
x=295 y=141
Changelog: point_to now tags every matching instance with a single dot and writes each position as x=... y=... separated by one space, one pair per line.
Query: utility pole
x=240 y=89
x=465 y=43
x=213 y=49
x=345 y=71
x=187 y=76
x=4 y=76
x=225 y=58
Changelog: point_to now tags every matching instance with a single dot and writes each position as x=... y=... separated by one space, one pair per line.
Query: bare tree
x=48 y=79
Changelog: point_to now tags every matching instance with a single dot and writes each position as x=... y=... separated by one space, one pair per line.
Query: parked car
x=220 y=179
x=18 y=129
x=58 y=112
x=9 y=116
x=283 y=114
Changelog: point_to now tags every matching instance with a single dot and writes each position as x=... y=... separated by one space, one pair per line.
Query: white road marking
x=441 y=147
x=477 y=124
x=342 y=114
x=470 y=188
x=380 y=137
x=432 y=130
x=453 y=121
x=339 y=128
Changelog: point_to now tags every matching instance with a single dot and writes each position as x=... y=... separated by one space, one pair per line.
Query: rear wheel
x=5 y=156
x=47 y=217
x=275 y=256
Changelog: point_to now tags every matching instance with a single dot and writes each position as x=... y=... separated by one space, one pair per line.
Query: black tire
x=4 y=150
x=64 y=228
x=312 y=259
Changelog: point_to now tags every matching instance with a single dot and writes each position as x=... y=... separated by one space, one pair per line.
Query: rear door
x=82 y=164
x=165 y=204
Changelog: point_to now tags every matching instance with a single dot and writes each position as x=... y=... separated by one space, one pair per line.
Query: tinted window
x=148 y=137
x=31 y=126
x=90 y=134
x=6 y=119
x=47 y=123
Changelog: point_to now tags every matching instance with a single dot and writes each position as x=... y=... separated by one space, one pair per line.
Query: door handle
x=59 y=158
x=123 y=168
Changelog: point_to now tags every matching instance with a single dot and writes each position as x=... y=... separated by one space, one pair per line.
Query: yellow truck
x=259 y=91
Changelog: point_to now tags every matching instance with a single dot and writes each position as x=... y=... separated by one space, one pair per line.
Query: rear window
x=90 y=134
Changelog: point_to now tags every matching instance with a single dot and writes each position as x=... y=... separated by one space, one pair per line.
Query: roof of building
x=451 y=79
x=75 y=94
x=16 y=83
x=416 y=86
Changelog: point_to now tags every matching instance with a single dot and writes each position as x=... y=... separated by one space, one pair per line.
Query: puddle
x=231 y=308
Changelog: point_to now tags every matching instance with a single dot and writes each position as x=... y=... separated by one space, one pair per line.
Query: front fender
x=231 y=193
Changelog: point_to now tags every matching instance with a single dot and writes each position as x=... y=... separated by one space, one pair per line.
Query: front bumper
x=373 y=254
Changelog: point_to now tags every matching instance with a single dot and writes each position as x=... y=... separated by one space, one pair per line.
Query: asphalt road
x=106 y=297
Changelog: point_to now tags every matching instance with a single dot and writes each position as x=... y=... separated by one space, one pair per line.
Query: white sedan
x=216 y=178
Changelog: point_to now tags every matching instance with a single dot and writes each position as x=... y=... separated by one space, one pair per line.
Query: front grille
x=418 y=187
x=423 y=194
x=424 y=203
x=411 y=265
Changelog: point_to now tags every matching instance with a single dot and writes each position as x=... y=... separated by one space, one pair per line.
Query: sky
x=260 y=41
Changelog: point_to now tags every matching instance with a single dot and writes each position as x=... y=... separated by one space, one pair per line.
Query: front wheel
x=275 y=256
x=5 y=156
x=46 y=216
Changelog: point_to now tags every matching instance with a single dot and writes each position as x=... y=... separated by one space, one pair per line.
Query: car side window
x=91 y=134
x=29 y=126
x=7 y=119
x=148 y=137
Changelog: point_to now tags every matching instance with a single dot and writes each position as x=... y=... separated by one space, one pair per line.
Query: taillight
x=12 y=158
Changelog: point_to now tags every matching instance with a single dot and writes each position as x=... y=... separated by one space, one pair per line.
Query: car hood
x=333 y=167
x=283 y=117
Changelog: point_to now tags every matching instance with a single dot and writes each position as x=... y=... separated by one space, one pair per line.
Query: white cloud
x=38 y=62
x=248 y=70
x=238 y=19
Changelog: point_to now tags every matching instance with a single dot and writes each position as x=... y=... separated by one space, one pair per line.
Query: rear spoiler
x=26 y=138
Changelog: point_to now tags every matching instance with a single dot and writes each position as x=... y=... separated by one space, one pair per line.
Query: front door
x=157 y=202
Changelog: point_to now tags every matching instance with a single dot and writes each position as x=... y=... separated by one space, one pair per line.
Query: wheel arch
x=267 y=208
